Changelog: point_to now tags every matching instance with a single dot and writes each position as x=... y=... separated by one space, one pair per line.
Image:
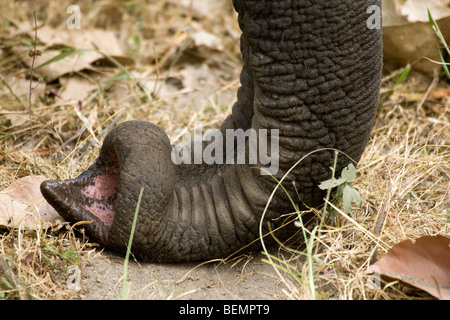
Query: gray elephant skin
x=312 y=70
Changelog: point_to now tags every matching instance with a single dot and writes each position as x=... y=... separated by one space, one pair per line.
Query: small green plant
x=345 y=191
x=50 y=252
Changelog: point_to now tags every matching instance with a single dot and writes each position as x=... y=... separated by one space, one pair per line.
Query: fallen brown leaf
x=201 y=8
x=22 y=204
x=75 y=88
x=416 y=10
x=92 y=45
x=205 y=39
x=408 y=36
x=440 y=93
x=424 y=264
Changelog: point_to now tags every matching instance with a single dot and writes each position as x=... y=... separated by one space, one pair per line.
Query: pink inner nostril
x=104 y=187
x=104 y=214
x=100 y=196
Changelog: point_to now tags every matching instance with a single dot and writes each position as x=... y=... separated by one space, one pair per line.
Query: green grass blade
x=120 y=76
x=438 y=32
x=125 y=71
x=436 y=28
x=403 y=75
x=124 y=293
x=444 y=64
x=64 y=54
x=12 y=92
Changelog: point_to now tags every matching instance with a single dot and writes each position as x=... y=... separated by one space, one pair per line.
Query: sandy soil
x=250 y=278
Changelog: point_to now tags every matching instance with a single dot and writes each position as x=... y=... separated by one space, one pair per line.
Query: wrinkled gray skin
x=311 y=69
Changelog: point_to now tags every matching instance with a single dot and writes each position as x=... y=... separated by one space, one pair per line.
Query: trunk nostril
x=91 y=196
x=51 y=189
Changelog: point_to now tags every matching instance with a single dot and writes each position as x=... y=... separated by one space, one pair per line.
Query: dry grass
x=403 y=176
x=403 y=179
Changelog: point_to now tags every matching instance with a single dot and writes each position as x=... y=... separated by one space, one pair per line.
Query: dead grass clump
x=42 y=263
x=404 y=182
x=174 y=80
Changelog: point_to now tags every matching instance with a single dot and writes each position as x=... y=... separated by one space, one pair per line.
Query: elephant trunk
x=310 y=84
x=316 y=74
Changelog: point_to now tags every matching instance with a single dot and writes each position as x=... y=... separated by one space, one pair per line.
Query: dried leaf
x=206 y=39
x=201 y=8
x=67 y=51
x=440 y=93
x=54 y=63
x=416 y=10
x=23 y=204
x=424 y=264
x=75 y=88
x=19 y=87
x=408 y=36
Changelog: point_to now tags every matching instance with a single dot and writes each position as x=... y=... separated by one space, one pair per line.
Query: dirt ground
x=248 y=279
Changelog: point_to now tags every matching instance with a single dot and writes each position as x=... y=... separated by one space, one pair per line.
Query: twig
x=377 y=232
x=33 y=54
x=333 y=174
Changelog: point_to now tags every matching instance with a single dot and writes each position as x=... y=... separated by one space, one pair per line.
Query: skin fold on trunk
x=311 y=73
